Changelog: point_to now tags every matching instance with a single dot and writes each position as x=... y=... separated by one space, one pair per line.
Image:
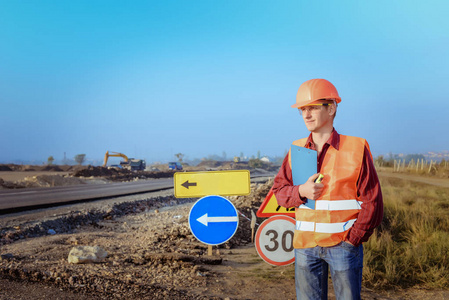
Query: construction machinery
x=127 y=163
x=175 y=165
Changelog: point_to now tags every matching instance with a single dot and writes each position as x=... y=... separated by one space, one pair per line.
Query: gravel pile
x=151 y=252
x=52 y=168
x=142 y=258
x=51 y=181
x=120 y=174
x=69 y=222
x=4 y=184
x=5 y=168
x=41 y=181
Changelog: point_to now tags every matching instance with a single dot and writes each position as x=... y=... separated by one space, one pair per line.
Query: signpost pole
x=253 y=226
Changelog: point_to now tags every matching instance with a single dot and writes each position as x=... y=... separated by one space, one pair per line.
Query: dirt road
x=443 y=182
x=21 y=175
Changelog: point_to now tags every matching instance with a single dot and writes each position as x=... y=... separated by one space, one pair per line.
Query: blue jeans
x=311 y=271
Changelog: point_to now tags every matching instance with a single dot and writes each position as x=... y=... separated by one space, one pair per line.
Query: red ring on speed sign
x=272 y=240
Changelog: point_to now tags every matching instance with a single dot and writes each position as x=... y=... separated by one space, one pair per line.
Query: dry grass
x=411 y=248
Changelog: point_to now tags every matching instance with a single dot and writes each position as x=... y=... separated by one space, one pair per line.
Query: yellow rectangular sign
x=221 y=183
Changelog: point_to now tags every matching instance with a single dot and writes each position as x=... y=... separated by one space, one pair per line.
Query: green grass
x=411 y=247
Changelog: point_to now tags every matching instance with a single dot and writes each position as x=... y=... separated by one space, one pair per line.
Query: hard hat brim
x=299 y=105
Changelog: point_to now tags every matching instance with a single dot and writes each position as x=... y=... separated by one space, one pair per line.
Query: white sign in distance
x=274 y=240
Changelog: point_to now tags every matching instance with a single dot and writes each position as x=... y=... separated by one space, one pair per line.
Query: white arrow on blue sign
x=213 y=220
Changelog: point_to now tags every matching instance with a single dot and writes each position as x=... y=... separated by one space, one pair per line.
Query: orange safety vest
x=338 y=206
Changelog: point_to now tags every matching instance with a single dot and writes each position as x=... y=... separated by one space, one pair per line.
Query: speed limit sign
x=274 y=240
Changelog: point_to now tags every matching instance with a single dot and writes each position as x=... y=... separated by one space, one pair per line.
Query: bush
x=411 y=247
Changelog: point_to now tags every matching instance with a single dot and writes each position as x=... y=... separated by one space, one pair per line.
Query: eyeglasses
x=312 y=108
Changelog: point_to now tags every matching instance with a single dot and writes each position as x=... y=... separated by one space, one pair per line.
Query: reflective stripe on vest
x=324 y=227
x=335 y=205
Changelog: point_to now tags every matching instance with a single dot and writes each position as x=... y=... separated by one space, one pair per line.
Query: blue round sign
x=213 y=220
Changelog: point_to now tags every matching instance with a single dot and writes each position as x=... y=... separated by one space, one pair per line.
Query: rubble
x=151 y=256
x=51 y=181
x=148 y=252
x=11 y=185
x=86 y=254
x=114 y=174
x=7 y=256
x=52 y=168
x=5 y=168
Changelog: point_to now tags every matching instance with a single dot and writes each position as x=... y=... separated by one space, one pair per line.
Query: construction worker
x=348 y=201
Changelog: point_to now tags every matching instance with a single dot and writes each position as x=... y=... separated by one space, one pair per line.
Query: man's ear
x=332 y=109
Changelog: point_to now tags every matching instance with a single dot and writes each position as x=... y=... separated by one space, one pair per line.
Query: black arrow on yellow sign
x=187 y=184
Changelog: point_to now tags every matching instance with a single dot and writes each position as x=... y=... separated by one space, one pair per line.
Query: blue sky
x=155 y=78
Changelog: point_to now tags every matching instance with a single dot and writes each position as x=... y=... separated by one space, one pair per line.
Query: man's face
x=318 y=118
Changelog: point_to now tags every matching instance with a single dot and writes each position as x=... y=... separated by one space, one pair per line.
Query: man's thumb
x=313 y=177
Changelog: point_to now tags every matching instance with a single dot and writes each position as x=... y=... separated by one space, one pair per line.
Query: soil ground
x=443 y=182
x=151 y=254
x=21 y=175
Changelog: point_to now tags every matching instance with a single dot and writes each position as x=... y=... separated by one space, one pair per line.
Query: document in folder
x=304 y=165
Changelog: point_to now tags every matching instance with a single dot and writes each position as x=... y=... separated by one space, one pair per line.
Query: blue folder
x=304 y=165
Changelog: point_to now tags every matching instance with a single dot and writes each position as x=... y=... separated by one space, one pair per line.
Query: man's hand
x=310 y=189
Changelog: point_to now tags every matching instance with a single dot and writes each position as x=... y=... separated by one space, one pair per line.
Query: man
x=348 y=200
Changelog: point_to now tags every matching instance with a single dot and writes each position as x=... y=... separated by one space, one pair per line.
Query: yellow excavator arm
x=113 y=154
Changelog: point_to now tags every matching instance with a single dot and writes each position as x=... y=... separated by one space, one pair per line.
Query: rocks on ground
x=41 y=181
x=86 y=254
x=150 y=254
x=114 y=174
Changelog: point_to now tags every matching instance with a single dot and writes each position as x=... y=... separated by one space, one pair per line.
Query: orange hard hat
x=313 y=90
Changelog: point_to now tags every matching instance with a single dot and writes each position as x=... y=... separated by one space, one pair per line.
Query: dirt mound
x=75 y=168
x=258 y=193
x=241 y=165
x=41 y=181
x=52 y=168
x=98 y=172
x=51 y=181
x=28 y=168
x=10 y=185
x=246 y=204
x=210 y=163
x=121 y=174
x=13 y=167
x=222 y=165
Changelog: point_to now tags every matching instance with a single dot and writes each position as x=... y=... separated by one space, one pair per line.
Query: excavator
x=127 y=163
